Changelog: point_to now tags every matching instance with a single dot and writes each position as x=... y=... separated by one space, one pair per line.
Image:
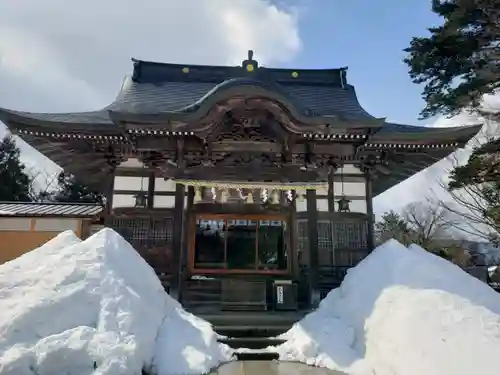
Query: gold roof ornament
x=185 y=70
x=295 y=74
x=250 y=68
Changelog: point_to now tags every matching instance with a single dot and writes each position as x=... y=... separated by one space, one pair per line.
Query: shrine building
x=245 y=187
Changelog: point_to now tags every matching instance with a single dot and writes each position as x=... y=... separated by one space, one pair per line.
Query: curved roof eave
x=394 y=133
x=94 y=171
x=82 y=122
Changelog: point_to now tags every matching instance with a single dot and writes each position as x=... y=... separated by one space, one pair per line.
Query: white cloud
x=57 y=56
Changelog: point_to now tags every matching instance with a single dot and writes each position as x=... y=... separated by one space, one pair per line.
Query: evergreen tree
x=460 y=61
x=71 y=190
x=392 y=225
x=15 y=183
x=480 y=179
x=458 y=64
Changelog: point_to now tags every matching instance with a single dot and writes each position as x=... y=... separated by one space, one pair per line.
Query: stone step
x=242 y=331
x=257 y=356
x=190 y=295
x=250 y=342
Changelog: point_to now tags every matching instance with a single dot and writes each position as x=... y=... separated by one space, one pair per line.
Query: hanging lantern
x=197 y=194
x=249 y=198
x=141 y=200
x=343 y=203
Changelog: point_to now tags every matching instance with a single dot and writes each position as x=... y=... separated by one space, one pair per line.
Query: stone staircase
x=251 y=343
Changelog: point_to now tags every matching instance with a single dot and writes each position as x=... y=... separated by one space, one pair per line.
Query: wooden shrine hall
x=246 y=187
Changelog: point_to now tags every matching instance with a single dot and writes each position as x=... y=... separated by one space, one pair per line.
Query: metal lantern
x=141 y=199
x=343 y=203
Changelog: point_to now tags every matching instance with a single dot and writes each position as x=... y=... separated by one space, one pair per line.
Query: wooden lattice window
x=326 y=245
x=142 y=231
x=151 y=237
x=302 y=242
x=340 y=242
x=351 y=234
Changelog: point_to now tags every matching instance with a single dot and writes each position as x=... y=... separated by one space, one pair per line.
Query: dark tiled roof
x=27 y=209
x=164 y=97
x=164 y=88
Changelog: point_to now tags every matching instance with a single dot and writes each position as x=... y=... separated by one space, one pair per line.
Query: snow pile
x=71 y=307
x=405 y=312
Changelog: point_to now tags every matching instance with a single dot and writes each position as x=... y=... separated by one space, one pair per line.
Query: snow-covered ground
x=402 y=311
x=73 y=307
x=70 y=307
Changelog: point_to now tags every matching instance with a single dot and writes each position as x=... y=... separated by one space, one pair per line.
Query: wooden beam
x=369 y=209
x=185 y=242
x=312 y=226
x=294 y=263
x=109 y=194
x=331 y=193
x=177 y=239
x=151 y=190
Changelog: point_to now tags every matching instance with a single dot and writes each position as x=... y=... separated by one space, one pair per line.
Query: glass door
x=240 y=244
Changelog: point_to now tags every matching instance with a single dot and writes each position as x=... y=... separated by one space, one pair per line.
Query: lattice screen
x=340 y=243
x=145 y=231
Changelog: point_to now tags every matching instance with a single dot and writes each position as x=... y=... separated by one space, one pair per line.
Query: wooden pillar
x=185 y=242
x=177 y=239
x=293 y=248
x=151 y=190
x=312 y=227
x=369 y=209
x=109 y=187
x=331 y=192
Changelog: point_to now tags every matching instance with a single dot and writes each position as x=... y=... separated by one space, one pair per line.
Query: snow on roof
x=97 y=302
x=6 y=213
x=402 y=311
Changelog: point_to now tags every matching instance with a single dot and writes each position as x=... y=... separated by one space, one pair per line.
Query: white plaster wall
x=56 y=225
x=166 y=202
x=357 y=206
x=354 y=189
x=163 y=202
x=130 y=183
x=122 y=200
x=17 y=224
x=162 y=185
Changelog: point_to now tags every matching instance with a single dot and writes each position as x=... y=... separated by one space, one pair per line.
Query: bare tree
x=470 y=204
x=429 y=222
x=42 y=185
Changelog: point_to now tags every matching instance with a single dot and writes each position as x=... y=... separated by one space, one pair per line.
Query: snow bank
x=72 y=306
x=404 y=312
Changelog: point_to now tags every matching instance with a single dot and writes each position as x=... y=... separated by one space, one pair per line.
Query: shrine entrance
x=245 y=244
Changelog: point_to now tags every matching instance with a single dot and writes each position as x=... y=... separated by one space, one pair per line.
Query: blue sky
x=369 y=38
x=60 y=59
